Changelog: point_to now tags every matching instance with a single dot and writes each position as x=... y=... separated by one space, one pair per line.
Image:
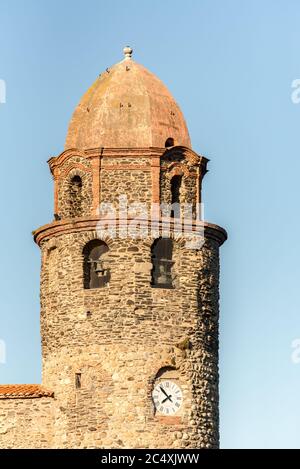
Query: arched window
x=96 y=271
x=162 y=263
x=169 y=142
x=76 y=196
x=176 y=182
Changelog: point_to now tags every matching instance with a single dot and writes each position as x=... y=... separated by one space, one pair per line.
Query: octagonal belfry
x=129 y=278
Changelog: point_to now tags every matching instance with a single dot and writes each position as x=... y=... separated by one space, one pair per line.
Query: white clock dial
x=167 y=397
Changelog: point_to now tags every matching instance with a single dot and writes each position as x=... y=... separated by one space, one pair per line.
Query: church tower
x=129 y=298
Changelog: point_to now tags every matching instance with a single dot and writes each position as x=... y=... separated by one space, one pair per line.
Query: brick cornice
x=150 y=152
x=57 y=161
x=193 y=158
x=122 y=167
x=63 y=227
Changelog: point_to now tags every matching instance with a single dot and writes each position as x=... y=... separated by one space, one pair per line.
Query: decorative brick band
x=130 y=167
x=69 y=168
x=61 y=227
x=152 y=152
x=59 y=160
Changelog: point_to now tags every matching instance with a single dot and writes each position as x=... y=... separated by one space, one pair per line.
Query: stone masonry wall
x=68 y=203
x=119 y=337
x=26 y=423
x=129 y=176
x=105 y=349
x=177 y=165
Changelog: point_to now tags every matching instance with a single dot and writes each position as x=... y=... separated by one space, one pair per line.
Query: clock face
x=167 y=397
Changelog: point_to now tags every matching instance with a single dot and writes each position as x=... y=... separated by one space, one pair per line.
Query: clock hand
x=162 y=389
x=167 y=398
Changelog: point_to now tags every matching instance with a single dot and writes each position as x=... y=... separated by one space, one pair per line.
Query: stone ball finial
x=127 y=52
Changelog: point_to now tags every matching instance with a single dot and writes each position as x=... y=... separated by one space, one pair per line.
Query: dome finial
x=127 y=52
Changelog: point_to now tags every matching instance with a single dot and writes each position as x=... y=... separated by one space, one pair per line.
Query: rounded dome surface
x=127 y=107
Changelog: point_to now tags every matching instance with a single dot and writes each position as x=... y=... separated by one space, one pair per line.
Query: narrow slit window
x=176 y=183
x=76 y=199
x=78 y=380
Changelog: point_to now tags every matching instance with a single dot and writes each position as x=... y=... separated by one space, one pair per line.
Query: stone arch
x=177 y=170
x=92 y=235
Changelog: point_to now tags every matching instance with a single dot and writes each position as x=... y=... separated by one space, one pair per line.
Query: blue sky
x=230 y=65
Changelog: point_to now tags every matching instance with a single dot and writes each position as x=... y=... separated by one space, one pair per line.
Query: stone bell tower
x=129 y=315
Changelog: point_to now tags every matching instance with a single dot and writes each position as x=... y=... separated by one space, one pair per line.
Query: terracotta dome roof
x=127 y=106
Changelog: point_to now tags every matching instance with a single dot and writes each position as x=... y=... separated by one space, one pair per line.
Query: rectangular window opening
x=78 y=380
